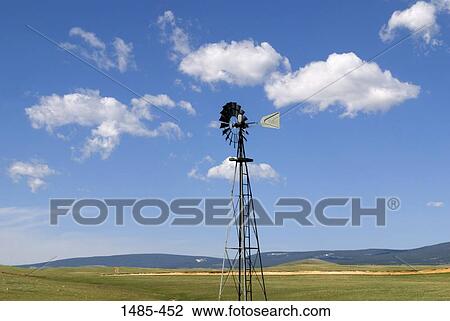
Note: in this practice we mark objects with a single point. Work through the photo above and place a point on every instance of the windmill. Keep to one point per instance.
(242, 260)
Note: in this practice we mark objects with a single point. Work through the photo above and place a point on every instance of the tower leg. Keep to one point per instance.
(248, 250)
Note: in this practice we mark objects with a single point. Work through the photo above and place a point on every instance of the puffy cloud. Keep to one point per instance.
(256, 171)
(161, 100)
(241, 63)
(421, 14)
(174, 34)
(140, 104)
(89, 37)
(435, 204)
(95, 50)
(108, 118)
(367, 89)
(33, 172)
(225, 170)
(123, 53)
(187, 106)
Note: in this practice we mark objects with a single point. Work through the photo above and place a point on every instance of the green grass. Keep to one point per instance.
(95, 284)
(319, 265)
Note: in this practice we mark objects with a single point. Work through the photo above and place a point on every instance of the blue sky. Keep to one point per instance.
(381, 131)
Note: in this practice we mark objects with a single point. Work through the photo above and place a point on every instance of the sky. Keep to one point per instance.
(137, 117)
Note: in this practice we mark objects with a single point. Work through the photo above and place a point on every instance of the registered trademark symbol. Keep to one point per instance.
(393, 203)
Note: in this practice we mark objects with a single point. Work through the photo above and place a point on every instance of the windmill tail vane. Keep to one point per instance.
(242, 263)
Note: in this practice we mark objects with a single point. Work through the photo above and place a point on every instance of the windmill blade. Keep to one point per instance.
(232, 119)
(271, 121)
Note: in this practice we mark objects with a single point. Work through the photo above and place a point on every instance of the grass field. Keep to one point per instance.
(98, 283)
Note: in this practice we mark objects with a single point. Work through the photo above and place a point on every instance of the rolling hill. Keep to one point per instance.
(428, 255)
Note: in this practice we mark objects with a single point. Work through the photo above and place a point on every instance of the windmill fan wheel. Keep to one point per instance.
(232, 120)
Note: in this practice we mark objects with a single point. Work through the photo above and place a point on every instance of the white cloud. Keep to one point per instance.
(141, 105)
(187, 106)
(367, 89)
(123, 53)
(225, 170)
(89, 37)
(214, 124)
(195, 171)
(34, 172)
(256, 171)
(174, 34)
(96, 50)
(442, 5)
(435, 204)
(421, 14)
(108, 118)
(241, 63)
(196, 88)
(161, 100)
(193, 87)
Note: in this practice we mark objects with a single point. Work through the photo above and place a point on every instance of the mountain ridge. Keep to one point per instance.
(437, 254)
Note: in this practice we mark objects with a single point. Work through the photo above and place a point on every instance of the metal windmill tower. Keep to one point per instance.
(242, 259)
